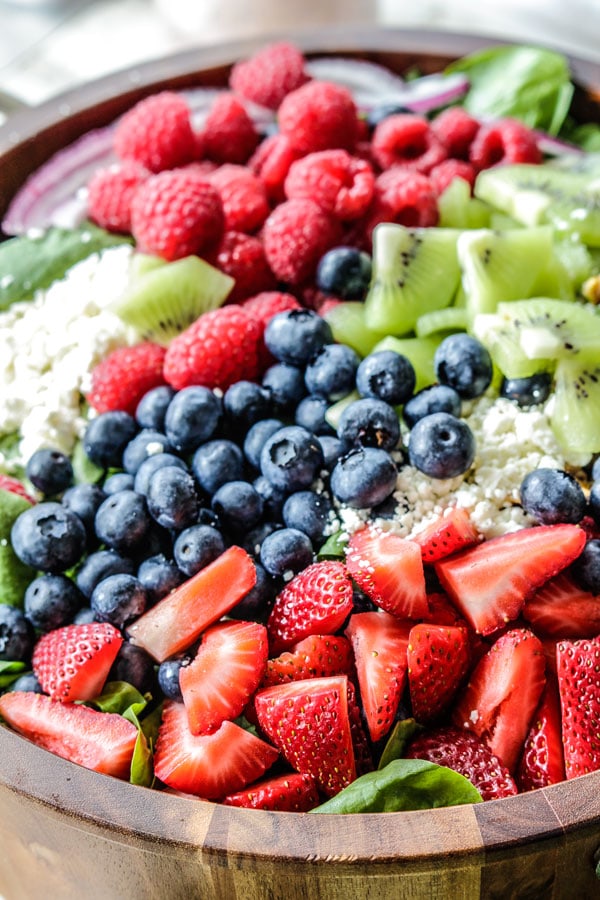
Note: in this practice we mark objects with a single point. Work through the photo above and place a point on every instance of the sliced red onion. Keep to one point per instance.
(366, 80)
(553, 146)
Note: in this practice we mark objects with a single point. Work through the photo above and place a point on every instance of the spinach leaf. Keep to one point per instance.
(401, 735)
(334, 547)
(9, 672)
(117, 697)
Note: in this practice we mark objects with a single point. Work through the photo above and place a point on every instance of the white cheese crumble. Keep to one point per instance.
(49, 346)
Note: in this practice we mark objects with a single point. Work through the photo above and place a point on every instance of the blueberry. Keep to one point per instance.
(150, 411)
(85, 616)
(207, 517)
(245, 403)
(369, 423)
(344, 272)
(27, 682)
(133, 665)
(463, 363)
(595, 474)
(100, 565)
(106, 437)
(122, 522)
(146, 443)
(331, 372)
(286, 550)
(286, 386)
(378, 113)
(85, 500)
(594, 501)
(192, 417)
(295, 335)
(332, 449)
(119, 599)
(168, 677)
(172, 498)
(273, 498)
(252, 541)
(364, 477)
(16, 635)
(51, 601)
(256, 604)
(196, 547)
(50, 471)
(217, 462)
(308, 512)
(151, 465)
(291, 458)
(120, 481)
(435, 398)
(48, 537)
(552, 496)
(159, 575)
(256, 437)
(238, 505)
(527, 391)
(586, 568)
(441, 446)
(311, 414)
(386, 375)
(362, 603)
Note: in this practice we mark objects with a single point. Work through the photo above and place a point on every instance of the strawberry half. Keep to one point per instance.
(438, 659)
(578, 667)
(468, 755)
(72, 663)
(208, 765)
(379, 641)
(317, 656)
(561, 609)
(451, 532)
(389, 569)
(489, 583)
(309, 722)
(316, 601)
(224, 674)
(503, 693)
(542, 762)
(284, 793)
(100, 741)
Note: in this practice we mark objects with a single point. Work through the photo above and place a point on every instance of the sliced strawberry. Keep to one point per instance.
(489, 583)
(503, 693)
(316, 601)
(438, 659)
(363, 757)
(453, 531)
(317, 656)
(442, 611)
(389, 569)
(379, 641)
(72, 663)
(561, 609)
(224, 674)
(100, 741)
(308, 721)
(179, 619)
(578, 666)
(542, 762)
(465, 753)
(208, 765)
(14, 486)
(283, 793)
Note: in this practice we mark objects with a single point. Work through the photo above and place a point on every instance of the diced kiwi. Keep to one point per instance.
(415, 270)
(142, 263)
(453, 318)
(168, 298)
(502, 265)
(575, 416)
(334, 412)
(347, 322)
(419, 351)
(458, 209)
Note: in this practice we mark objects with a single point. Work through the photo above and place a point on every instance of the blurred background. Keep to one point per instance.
(47, 46)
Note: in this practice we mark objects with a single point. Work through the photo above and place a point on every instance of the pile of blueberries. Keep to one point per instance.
(260, 466)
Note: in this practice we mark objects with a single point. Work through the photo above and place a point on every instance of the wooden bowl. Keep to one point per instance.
(66, 832)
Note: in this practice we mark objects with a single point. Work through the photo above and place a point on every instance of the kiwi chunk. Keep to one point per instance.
(575, 417)
(165, 299)
(347, 322)
(453, 318)
(458, 209)
(415, 270)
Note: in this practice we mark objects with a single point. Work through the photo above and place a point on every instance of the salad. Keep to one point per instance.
(300, 438)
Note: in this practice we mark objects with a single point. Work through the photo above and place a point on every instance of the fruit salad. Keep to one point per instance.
(300, 438)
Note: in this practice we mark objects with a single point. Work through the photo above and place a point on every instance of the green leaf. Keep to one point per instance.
(9, 672)
(334, 547)
(84, 470)
(15, 576)
(118, 697)
(142, 768)
(401, 735)
(28, 263)
(404, 784)
(527, 83)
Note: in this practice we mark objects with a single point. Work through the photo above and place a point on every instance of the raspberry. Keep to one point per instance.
(125, 375)
(243, 196)
(157, 133)
(295, 237)
(443, 174)
(403, 196)
(229, 134)
(242, 256)
(504, 141)
(341, 184)
(271, 162)
(266, 304)
(176, 214)
(456, 129)
(406, 139)
(269, 75)
(14, 486)
(319, 116)
(110, 192)
(220, 348)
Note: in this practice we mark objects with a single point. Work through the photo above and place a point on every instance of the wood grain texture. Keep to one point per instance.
(68, 833)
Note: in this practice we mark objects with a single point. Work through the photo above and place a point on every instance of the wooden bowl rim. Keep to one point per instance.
(130, 813)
